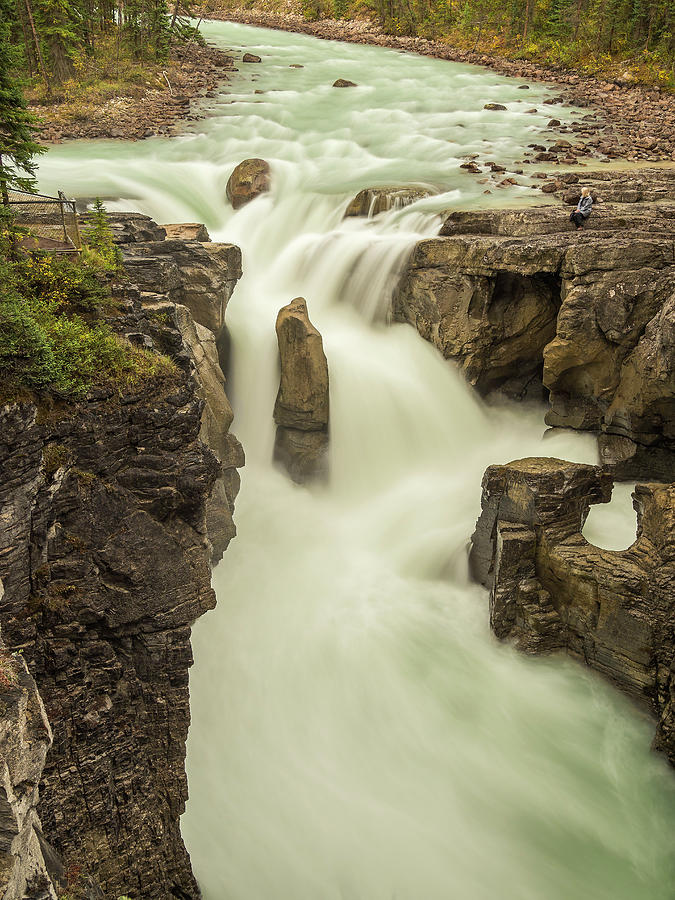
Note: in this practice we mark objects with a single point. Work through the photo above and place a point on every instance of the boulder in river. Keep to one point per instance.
(248, 180)
(494, 106)
(251, 58)
(371, 201)
(343, 83)
(301, 408)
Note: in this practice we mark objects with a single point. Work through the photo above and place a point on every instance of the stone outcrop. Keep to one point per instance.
(302, 404)
(187, 231)
(105, 557)
(248, 180)
(525, 304)
(552, 590)
(25, 737)
(198, 275)
(129, 228)
(371, 201)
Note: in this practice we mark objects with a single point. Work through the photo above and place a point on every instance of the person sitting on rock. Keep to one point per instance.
(583, 210)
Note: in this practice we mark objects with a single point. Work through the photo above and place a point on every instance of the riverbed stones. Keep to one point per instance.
(302, 405)
(249, 180)
(552, 590)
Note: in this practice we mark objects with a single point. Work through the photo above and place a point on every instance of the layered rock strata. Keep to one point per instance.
(526, 305)
(192, 282)
(552, 590)
(302, 405)
(105, 557)
(25, 737)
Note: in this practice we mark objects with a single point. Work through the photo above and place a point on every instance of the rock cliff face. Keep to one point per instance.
(104, 554)
(527, 305)
(25, 737)
(191, 281)
(301, 408)
(552, 590)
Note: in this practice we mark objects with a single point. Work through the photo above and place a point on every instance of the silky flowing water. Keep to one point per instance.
(357, 732)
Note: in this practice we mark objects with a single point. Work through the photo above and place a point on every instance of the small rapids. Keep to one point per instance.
(357, 733)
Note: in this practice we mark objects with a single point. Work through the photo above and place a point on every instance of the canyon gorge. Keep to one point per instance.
(383, 329)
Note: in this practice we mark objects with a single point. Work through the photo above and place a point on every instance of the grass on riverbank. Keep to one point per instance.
(110, 77)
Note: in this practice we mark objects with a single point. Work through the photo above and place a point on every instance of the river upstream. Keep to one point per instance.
(357, 733)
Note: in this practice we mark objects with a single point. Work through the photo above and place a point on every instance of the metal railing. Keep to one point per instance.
(50, 221)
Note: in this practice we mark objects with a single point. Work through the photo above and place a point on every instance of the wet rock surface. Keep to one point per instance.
(527, 305)
(302, 407)
(552, 590)
(105, 548)
(372, 201)
(248, 180)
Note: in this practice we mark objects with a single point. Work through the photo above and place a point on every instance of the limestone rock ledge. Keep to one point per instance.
(25, 737)
(528, 306)
(105, 558)
(552, 590)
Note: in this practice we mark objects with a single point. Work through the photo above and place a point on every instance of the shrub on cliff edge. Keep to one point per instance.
(53, 338)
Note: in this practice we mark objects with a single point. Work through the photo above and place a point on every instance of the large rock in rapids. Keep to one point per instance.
(526, 304)
(249, 179)
(552, 590)
(302, 404)
(371, 201)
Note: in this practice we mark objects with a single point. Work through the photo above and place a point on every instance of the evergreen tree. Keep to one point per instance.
(18, 146)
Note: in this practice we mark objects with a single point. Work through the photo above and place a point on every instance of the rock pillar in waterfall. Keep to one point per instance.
(301, 409)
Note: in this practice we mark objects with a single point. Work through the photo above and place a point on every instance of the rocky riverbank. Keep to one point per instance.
(112, 508)
(632, 122)
(193, 72)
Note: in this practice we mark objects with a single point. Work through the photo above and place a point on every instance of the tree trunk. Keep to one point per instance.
(38, 52)
(528, 7)
(62, 67)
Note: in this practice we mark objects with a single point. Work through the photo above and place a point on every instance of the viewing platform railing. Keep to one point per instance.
(50, 221)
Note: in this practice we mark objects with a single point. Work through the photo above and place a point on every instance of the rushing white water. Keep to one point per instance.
(357, 733)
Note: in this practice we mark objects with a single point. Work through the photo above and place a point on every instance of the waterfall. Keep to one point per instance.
(357, 733)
